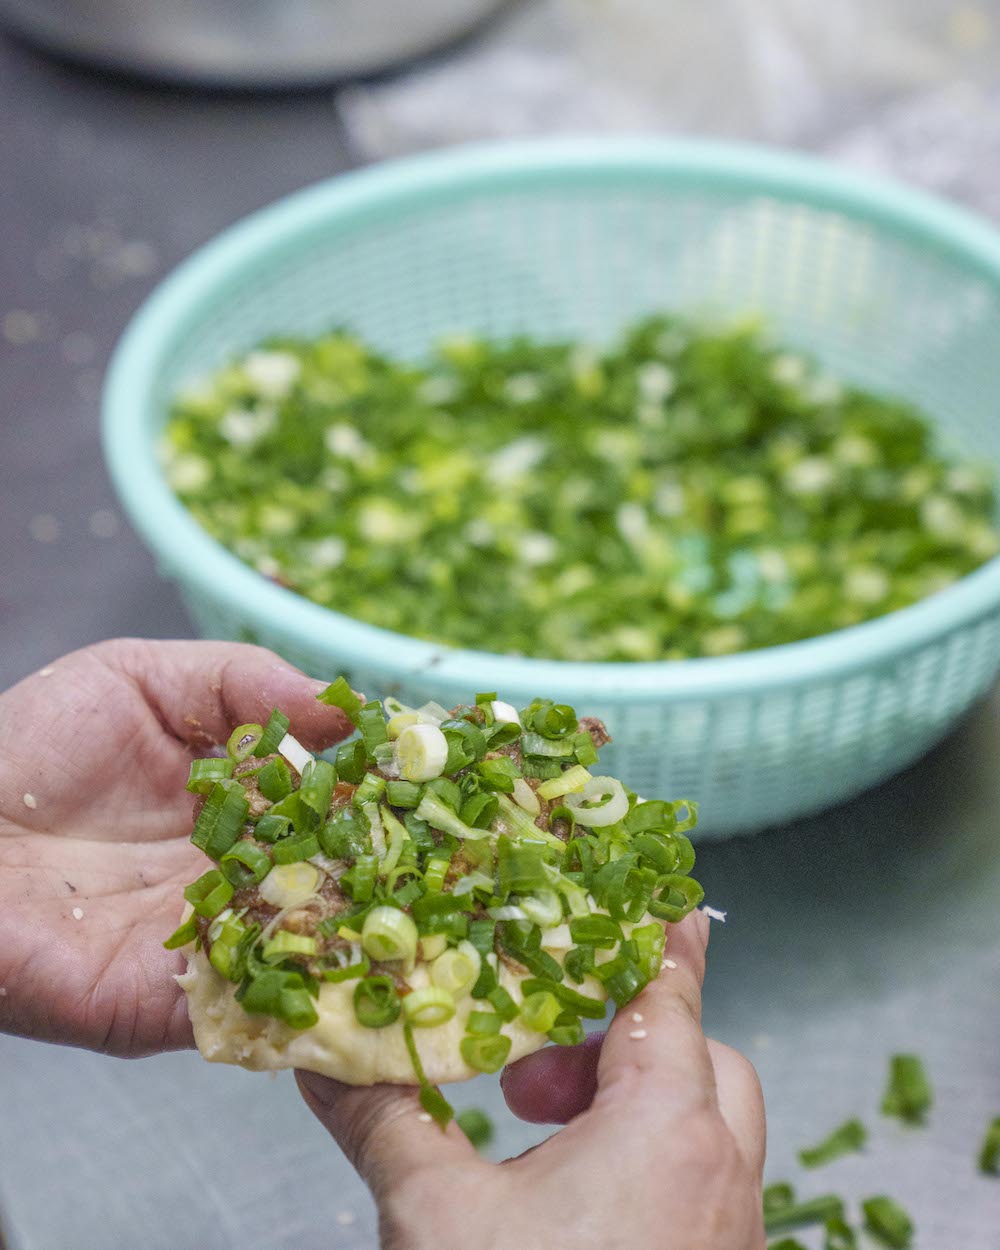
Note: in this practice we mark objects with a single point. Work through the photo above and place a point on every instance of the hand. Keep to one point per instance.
(94, 825)
(664, 1149)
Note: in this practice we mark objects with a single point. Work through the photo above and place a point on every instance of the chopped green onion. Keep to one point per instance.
(908, 1094)
(284, 943)
(351, 761)
(586, 752)
(989, 1154)
(777, 1196)
(798, 1214)
(428, 1007)
(221, 819)
(275, 780)
(476, 1125)
(439, 816)
(567, 1030)
(274, 731)
(371, 722)
(552, 720)
(543, 908)
(546, 748)
(579, 962)
(359, 881)
(516, 823)
(888, 1222)
(480, 811)
(209, 894)
(596, 930)
(205, 773)
(569, 782)
(520, 867)
(245, 864)
(224, 955)
(339, 694)
(403, 793)
(397, 838)
(850, 1136)
(389, 934)
(349, 971)
(498, 774)
(503, 1004)
(277, 992)
(421, 752)
(484, 1053)
(786, 1243)
(293, 850)
(242, 742)
(457, 969)
(838, 1235)
(678, 896)
(431, 1099)
(270, 828)
(484, 1023)
(540, 1010)
(435, 872)
(580, 1004)
(316, 788)
(376, 1003)
(181, 936)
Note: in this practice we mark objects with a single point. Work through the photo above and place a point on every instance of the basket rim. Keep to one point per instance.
(189, 553)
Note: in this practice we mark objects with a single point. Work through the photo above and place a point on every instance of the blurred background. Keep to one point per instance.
(130, 133)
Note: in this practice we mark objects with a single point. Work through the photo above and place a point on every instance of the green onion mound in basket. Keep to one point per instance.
(684, 493)
(465, 862)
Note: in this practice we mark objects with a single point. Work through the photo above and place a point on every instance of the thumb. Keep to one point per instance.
(383, 1130)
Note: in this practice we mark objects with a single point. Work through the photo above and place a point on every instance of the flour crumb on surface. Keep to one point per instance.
(77, 913)
(638, 1034)
(47, 671)
(30, 801)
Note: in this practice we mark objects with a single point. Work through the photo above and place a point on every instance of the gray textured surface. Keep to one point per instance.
(870, 930)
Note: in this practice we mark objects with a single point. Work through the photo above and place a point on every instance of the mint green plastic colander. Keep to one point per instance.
(889, 288)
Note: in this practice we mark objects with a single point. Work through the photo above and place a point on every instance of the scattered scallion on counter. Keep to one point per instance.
(476, 1125)
(687, 490)
(908, 1094)
(781, 1210)
(850, 1136)
(886, 1220)
(989, 1154)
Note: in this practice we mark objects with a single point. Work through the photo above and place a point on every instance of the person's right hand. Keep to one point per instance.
(664, 1150)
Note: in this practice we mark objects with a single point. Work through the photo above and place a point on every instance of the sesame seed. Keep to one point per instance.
(345, 1217)
(637, 1017)
(77, 913)
(424, 1118)
(46, 672)
(30, 801)
(669, 963)
(637, 1035)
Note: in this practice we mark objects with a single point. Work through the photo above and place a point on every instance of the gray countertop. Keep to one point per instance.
(870, 930)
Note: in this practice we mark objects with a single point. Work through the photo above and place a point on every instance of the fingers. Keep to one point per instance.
(655, 1048)
(741, 1102)
(202, 690)
(382, 1131)
(553, 1085)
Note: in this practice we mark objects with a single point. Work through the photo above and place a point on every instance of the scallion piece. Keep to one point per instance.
(242, 741)
(403, 793)
(389, 934)
(221, 819)
(503, 1004)
(359, 880)
(435, 872)
(908, 1094)
(274, 731)
(282, 943)
(351, 761)
(370, 790)
(476, 1125)
(428, 1007)
(567, 1030)
(540, 1010)
(483, 1023)
(224, 955)
(181, 936)
(580, 1004)
(280, 993)
(849, 1137)
(439, 816)
(989, 1154)
(376, 1003)
(431, 1099)
(678, 895)
(887, 1222)
(786, 1243)
(245, 864)
(596, 930)
(350, 971)
(209, 894)
(498, 774)
(799, 1214)
(205, 773)
(270, 827)
(457, 969)
(838, 1235)
(569, 782)
(275, 780)
(339, 694)
(316, 787)
(293, 850)
(485, 1053)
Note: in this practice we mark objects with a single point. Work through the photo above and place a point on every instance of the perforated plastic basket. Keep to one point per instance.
(889, 288)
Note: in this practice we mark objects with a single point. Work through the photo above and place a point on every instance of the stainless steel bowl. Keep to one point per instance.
(245, 43)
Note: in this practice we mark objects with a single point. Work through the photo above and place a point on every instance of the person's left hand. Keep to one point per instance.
(94, 825)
